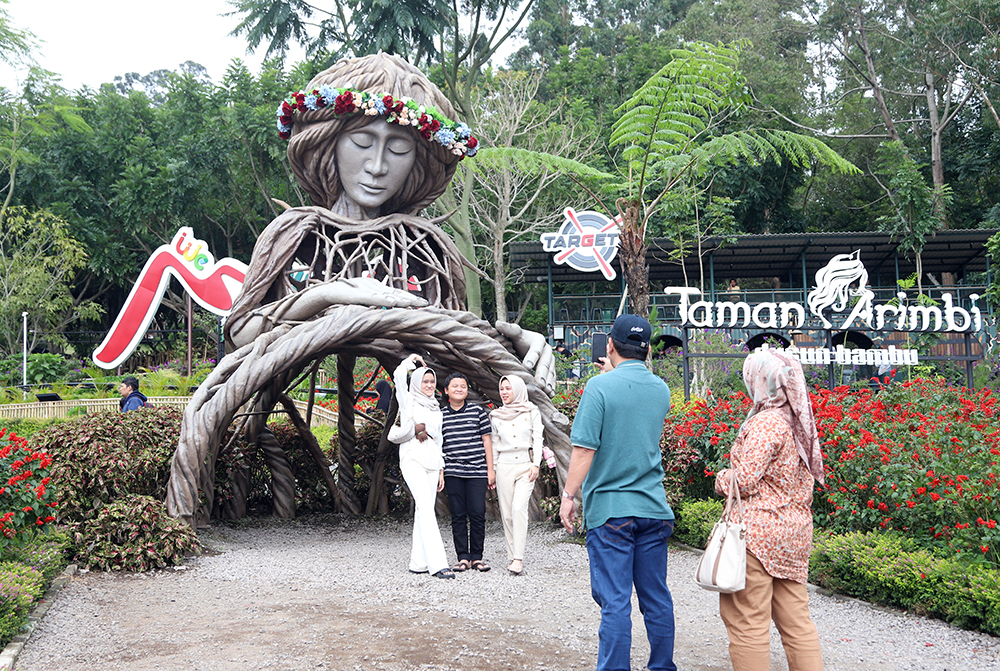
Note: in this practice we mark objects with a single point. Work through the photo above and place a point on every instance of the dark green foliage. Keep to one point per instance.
(134, 533)
(695, 520)
(100, 458)
(889, 568)
(41, 368)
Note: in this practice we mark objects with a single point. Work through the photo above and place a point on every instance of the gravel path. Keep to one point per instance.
(332, 593)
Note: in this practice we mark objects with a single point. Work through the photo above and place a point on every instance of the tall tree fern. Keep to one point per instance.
(671, 135)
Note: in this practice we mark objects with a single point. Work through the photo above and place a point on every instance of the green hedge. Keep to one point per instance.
(695, 520)
(890, 569)
(20, 587)
(26, 428)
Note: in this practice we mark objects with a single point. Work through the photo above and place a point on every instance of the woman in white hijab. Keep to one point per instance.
(775, 459)
(418, 435)
(517, 453)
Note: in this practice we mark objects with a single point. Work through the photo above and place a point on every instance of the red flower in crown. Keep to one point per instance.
(471, 143)
(388, 102)
(344, 103)
(320, 100)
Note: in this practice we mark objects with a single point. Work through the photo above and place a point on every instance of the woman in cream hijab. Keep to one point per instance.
(517, 453)
(775, 459)
(421, 462)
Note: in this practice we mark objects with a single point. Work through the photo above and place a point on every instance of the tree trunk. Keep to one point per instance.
(632, 250)
(873, 82)
(461, 224)
(499, 279)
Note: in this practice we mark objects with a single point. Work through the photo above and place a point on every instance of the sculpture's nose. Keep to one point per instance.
(377, 165)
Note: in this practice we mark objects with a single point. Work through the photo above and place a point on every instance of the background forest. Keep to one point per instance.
(93, 180)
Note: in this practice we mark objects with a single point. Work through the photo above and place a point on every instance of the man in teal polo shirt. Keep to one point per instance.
(616, 458)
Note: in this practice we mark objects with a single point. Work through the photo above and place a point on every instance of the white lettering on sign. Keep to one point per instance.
(823, 356)
(835, 292)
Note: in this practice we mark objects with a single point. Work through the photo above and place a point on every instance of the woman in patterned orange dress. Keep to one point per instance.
(776, 457)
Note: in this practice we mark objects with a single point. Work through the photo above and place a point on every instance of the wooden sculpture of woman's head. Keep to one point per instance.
(370, 162)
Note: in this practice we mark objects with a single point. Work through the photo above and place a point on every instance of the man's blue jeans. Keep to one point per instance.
(626, 551)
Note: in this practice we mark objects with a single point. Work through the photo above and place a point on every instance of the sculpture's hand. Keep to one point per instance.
(535, 354)
(368, 291)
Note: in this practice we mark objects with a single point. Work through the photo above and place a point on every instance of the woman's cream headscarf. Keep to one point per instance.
(417, 395)
(518, 403)
(776, 382)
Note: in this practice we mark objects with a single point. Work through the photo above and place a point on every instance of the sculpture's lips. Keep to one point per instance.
(372, 188)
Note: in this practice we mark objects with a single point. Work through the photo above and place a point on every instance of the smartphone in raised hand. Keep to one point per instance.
(598, 347)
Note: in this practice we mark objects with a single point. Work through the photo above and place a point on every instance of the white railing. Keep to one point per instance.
(62, 409)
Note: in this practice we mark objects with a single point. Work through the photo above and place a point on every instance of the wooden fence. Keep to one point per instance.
(62, 409)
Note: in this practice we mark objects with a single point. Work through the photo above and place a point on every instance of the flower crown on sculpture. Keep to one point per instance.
(431, 124)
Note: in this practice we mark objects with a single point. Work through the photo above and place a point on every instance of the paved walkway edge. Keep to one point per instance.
(9, 655)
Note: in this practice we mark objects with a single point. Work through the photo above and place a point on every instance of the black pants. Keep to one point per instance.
(467, 501)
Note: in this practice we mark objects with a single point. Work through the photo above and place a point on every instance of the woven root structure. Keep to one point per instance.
(261, 371)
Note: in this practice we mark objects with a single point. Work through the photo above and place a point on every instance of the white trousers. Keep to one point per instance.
(427, 553)
(514, 492)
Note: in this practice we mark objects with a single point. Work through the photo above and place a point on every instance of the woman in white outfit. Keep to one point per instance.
(517, 453)
(421, 462)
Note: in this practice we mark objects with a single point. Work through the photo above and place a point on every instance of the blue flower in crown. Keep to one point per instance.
(445, 136)
(462, 131)
(311, 102)
(283, 128)
(378, 105)
(471, 151)
(328, 92)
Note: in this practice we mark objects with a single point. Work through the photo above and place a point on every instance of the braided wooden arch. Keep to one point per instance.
(449, 340)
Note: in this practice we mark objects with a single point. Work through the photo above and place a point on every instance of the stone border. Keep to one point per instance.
(10, 654)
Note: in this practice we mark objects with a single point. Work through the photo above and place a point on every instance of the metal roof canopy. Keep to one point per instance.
(954, 251)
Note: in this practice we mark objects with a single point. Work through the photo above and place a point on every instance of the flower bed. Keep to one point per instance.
(920, 458)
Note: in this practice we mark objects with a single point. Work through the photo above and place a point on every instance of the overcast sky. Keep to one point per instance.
(89, 42)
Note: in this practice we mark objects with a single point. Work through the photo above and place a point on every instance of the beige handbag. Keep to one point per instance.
(723, 567)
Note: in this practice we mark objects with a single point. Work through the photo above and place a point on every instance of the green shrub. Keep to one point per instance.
(695, 520)
(20, 587)
(100, 458)
(26, 428)
(891, 569)
(44, 553)
(42, 368)
(134, 533)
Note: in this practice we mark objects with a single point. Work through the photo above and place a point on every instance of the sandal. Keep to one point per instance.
(445, 573)
(480, 565)
(463, 565)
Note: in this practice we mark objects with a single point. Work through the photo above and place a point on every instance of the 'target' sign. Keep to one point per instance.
(587, 241)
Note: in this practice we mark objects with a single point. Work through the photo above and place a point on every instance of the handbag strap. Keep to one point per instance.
(734, 496)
